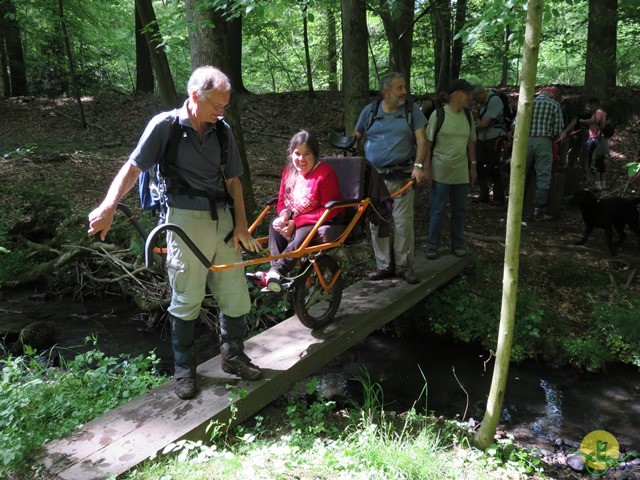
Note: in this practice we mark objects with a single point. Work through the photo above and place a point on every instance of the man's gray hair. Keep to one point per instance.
(207, 78)
(385, 81)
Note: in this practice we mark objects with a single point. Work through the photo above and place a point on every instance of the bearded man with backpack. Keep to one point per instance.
(492, 127)
(395, 145)
(205, 217)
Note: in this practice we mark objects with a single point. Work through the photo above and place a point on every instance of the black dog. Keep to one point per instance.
(607, 213)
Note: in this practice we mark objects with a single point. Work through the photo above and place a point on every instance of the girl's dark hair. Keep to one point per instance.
(301, 138)
(305, 138)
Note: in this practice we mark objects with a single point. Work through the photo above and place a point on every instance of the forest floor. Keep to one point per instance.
(43, 148)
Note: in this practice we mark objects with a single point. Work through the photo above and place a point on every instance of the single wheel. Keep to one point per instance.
(314, 306)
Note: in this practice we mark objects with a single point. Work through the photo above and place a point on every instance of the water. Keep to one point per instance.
(541, 404)
(114, 322)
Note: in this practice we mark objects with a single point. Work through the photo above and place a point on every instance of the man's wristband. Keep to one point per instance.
(418, 165)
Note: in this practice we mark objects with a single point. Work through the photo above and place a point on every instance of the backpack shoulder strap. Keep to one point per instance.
(372, 114)
(467, 112)
(439, 119)
(222, 132)
(408, 108)
(171, 151)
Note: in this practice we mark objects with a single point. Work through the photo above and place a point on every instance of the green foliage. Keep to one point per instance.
(524, 460)
(633, 168)
(470, 312)
(613, 335)
(310, 421)
(37, 213)
(14, 264)
(273, 54)
(387, 448)
(39, 404)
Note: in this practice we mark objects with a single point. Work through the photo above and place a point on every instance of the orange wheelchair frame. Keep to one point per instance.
(317, 290)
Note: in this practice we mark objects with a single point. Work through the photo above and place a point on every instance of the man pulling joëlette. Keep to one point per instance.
(206, 220)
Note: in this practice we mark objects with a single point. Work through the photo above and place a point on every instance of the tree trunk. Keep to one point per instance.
(144, 70)
(332, 48)
(234, 33)
(484, 436)
(305, 39)
(158, 57)
(398, 27)
(504, 78)
(355, 65)
(4, 67)
(72, 71)
(602, 37)
(14, 52)
(456, 55)
(442, 31)
(208, 46)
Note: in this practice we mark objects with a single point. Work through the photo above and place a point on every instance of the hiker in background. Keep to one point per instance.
(206, 219)
(491, 130)
(307, 185)
(546, 126)
(597, 145)
(395, 145)
(450, 165)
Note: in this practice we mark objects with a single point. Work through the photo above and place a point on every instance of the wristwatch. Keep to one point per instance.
(418, 165)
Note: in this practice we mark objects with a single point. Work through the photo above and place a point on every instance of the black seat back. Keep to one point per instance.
(351, 178)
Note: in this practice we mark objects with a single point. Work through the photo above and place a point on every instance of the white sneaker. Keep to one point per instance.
(274, 282)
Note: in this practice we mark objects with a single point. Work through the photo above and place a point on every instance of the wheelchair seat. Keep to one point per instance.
(351, 179)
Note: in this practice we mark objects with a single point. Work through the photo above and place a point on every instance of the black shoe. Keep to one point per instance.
(381, 274)
(409, 276)
(185, 388)
(242, 367)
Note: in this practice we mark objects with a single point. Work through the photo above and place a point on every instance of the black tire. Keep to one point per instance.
(313, 306)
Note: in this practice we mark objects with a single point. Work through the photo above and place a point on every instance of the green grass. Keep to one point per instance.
(39, 404)
(359, 443)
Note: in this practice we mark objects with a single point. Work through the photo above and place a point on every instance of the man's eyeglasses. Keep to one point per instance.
(215, 107)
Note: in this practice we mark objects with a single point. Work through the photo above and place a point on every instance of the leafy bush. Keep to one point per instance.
(39, 404)
(469, 311)
(613, 335)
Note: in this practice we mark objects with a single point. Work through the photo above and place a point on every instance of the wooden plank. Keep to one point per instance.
(287, 353)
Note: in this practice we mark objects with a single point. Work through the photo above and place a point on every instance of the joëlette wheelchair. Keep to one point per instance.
(317, 282)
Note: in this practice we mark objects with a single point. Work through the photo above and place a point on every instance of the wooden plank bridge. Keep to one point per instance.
(287, 353)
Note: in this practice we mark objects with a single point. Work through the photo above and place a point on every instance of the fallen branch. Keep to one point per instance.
(630, 279)
(79, 121)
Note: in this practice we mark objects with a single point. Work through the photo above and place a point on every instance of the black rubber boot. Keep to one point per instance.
(234, 360)
(184, 357)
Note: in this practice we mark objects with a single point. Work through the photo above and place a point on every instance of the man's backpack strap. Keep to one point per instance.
(174, 181)
(408, 108)
(372, 113)
(440, 120)
(375, 106)
(223, 130)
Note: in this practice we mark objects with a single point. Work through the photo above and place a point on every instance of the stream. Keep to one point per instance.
(541, 404)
